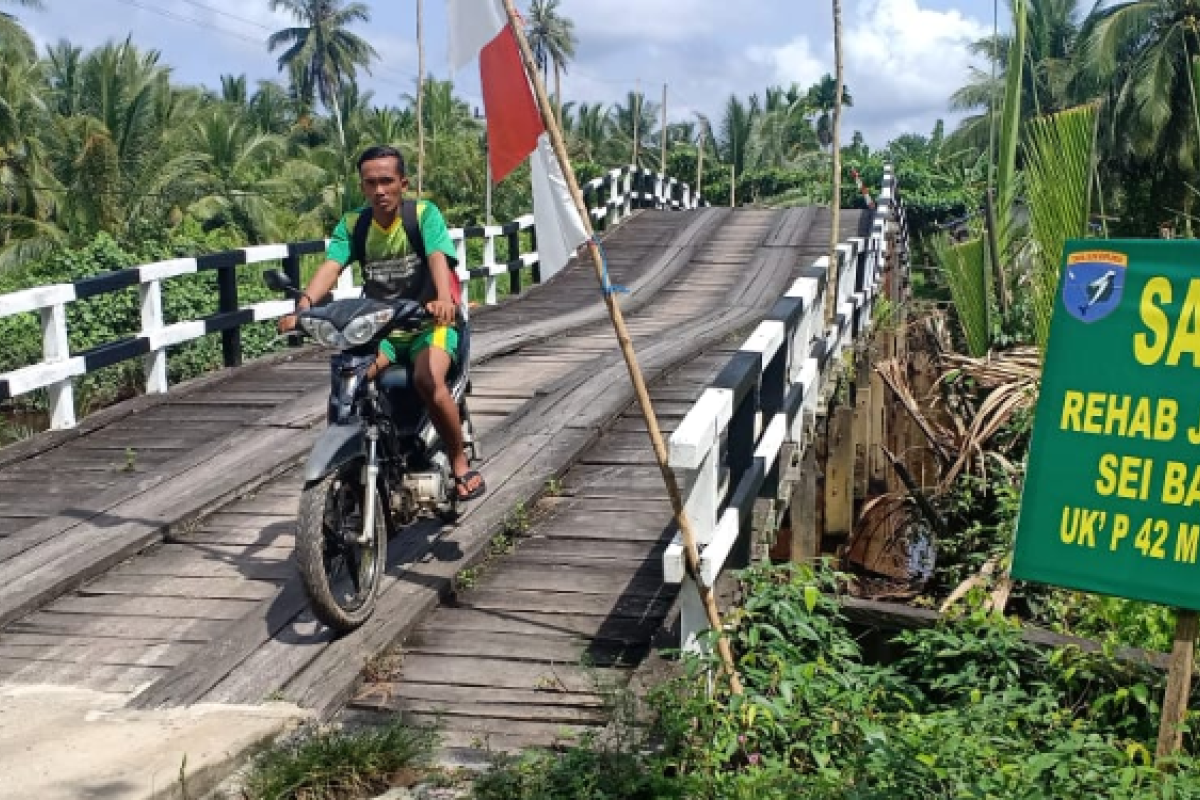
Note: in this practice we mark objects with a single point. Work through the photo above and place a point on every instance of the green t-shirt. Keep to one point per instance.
(391, 269)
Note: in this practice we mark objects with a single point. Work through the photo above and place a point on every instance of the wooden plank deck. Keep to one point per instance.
(215, 614)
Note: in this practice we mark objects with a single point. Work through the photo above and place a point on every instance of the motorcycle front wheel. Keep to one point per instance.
(340, 573)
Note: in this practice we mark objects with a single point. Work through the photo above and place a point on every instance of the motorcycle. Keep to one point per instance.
(379, 465)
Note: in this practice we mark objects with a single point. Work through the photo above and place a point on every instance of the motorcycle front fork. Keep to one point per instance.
(370, 482)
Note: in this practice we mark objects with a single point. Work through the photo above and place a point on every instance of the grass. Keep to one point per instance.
(338, 765)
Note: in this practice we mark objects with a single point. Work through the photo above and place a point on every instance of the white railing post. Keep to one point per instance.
(489, 263)
(155, 361)
(693, 618)
(627, 192)
(55, 348)
(613, 210)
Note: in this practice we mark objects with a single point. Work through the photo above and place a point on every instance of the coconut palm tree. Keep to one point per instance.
(630, 124)
(552, 39)
(1051, 79)
(115, 156)
(234, 89)
(25, 202)
(1146, 50)
(321, 52)
(238, 186)
(822, 96)
(586, 128)
(11, 30)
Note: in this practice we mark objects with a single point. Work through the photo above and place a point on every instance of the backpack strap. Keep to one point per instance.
(358, 239)
(412, 229)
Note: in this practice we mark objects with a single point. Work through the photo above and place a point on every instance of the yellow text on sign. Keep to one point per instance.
(1153, 538)
(1162, 341)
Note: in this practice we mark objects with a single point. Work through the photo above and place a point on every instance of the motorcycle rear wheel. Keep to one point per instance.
(340, 575)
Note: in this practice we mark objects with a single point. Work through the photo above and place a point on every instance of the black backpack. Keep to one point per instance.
(412, 230)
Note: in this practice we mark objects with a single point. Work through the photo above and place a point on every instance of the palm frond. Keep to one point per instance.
(1058, 158)
(966, 269)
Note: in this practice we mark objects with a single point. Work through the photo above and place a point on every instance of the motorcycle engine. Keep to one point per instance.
(428, 488)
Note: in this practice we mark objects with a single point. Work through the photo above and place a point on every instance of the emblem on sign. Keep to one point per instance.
(1094, 282)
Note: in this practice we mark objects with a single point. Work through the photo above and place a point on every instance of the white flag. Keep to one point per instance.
(559, 229)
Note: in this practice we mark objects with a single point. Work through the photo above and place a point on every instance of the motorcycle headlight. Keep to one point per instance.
(362, 329)
(323, 331)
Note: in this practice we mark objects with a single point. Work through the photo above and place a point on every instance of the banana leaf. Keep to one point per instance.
(1058, 163)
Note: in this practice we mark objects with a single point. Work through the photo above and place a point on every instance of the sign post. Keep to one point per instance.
(1112, 493)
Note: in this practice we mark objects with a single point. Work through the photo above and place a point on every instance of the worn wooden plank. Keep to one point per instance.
(610, 526)
(276, 536)
(501, 673)
(388, 696)
(266, 670)
(136, 606)
(477, 739)
(839, 475)
(449, 713)
(599, 555)
(805, 544)
(80, 650)
(592, 626)
(498, 600)
(195, 678)
(644, 580)
(101, 677)
(96, 625)
(436, 640)
(180, 587)
(194, 563)
(44, 569)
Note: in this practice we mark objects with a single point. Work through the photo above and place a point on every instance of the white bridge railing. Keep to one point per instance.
(726, 451)
(610, 199)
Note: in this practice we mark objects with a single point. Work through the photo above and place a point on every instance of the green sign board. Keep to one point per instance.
(1112, 494)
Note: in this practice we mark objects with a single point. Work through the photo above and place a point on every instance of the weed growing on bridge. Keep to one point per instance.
(336, 765)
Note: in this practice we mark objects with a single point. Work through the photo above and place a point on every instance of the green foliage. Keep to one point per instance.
(965, 266)
(1058, 155)
(113, 316)
(967, 710)
(963, 709)
(981, 517)
(585, 772)
(331, 765)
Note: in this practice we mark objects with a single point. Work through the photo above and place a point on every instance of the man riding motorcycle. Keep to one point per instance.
(378, 237)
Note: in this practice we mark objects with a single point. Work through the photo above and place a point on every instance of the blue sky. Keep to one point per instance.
(903, 57)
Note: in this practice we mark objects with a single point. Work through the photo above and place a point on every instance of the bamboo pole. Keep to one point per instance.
(635, 372)
(420, 96)
(662, 160)
(835, 202)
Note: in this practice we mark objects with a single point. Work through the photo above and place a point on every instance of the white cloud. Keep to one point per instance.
(903, 61)
(651, 20)
(793, 62)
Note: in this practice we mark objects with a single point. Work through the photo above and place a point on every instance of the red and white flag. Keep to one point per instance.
(514, 124)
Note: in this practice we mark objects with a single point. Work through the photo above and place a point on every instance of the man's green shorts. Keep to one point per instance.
(403, 348)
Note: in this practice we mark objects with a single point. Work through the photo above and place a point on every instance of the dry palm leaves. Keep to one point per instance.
(1012, 376)
(1018, 365)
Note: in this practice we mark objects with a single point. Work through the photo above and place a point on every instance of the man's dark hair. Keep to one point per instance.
(382, 151)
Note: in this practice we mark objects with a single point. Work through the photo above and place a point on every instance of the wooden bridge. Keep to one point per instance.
(147, 549)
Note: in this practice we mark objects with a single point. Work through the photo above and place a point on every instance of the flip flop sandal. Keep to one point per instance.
(463, 480)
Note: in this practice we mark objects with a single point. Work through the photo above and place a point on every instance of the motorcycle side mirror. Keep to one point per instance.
(278, 281)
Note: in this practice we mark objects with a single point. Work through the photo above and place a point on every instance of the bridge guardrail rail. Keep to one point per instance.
(726, 450)
(610, 199)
